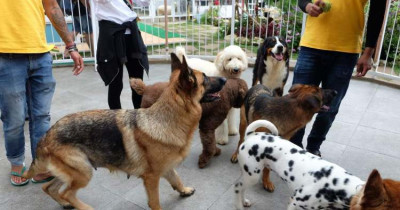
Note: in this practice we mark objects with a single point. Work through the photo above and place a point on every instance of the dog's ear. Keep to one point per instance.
(176, 64)
(311, 102)
(219, 61)
(374, 191)
(187, 80)
(295, 89)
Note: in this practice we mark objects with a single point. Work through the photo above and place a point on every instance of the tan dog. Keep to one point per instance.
(377, 194)
(214, 113)
(148, 143)
(288, 113)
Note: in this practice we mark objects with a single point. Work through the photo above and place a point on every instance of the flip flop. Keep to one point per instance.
(43, 180)
(14, 173)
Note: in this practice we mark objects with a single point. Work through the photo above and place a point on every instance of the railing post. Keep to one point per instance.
(95, 28)
(166, 25)
(233, 23)
(379, 44)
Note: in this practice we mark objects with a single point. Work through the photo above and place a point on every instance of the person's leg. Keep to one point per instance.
(115, 89)
(13, 76)
(39, 92)
(307, 71)
(339, 70)
(135, 70)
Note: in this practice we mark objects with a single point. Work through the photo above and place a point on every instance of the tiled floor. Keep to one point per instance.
(365, 135)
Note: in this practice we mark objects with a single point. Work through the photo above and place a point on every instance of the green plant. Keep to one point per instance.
(392, 35)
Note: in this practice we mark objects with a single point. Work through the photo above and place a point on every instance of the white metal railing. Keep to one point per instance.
(205, 27)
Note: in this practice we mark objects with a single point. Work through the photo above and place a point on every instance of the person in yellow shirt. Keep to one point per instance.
(330, 48)
(26, 77)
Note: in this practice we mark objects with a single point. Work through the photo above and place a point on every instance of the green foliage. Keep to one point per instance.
(390, 41)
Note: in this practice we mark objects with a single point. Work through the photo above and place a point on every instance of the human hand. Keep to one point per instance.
(78, 62)
(364, 63)
(315, 9)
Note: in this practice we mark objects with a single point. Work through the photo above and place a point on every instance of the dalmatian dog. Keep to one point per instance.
(315, 183)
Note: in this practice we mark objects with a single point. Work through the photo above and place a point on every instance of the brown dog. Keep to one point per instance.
(288, 113)
(148, 143)
(377, 194)
(214, 113)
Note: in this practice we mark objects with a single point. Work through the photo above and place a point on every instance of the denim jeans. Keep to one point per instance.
(332, 70)
(26, 81)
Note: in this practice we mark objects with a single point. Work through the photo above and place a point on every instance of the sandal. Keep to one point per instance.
(43, 180)
(14, 173)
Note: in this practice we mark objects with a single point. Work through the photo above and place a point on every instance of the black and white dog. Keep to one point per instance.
(272, 64)
(315, 183)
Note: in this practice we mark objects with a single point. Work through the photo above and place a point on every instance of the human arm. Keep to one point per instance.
(374, 25)
(56, 17)
(313, 9)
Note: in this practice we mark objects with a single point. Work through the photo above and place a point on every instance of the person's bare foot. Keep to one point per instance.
(16, 179)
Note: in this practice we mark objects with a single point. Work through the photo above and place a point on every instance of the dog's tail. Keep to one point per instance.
(180, 52)
(138, 85)
(261, 123)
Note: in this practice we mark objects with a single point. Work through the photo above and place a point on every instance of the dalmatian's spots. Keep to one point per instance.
(254, 150)
(263, 137)
(323, 173)
(305, 198)
(246, 168)
(268, 150)
(280, 149)
(257, 159)
(292, 178)
(302, 152)
(301, 190)
(291, 162)
(248, 133)
(332, 195)
(286, 173)
(236, 191)
(334, 181)
(346, 181)
(242, 148)
(271, 139)
(293, 150)
(326, 185)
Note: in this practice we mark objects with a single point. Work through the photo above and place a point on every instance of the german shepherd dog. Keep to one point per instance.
(214, 113)
(272, 64)
(288, 113)
(148, 143)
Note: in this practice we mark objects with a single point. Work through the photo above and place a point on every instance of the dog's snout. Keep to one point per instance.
(236, 69)
(222, 80)
(280, 48)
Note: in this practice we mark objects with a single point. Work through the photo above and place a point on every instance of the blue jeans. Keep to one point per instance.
(331, 69)
(25, 80)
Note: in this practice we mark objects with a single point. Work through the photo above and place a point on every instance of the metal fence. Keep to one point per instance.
(205, 27)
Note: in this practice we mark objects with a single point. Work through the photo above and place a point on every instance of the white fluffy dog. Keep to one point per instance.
(229, 63)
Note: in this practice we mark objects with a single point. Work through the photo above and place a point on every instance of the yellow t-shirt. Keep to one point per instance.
(340, 29)
(22, 27)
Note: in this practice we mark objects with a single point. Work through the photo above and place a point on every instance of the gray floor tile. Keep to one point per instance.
(375, 140)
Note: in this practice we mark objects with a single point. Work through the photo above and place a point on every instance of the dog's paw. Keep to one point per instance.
(187, 191)
(234, 158)
(68, 206)
(270, 187)
(246, 203)
(233, 132)
(203, 160)
(223, 140)
(217, 151)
